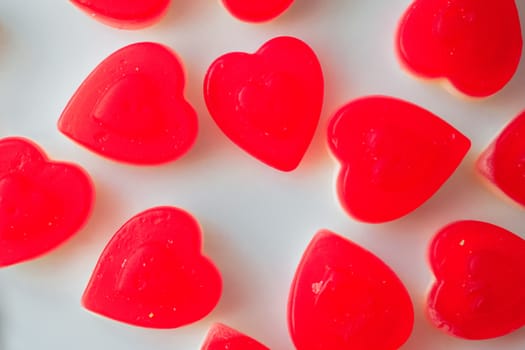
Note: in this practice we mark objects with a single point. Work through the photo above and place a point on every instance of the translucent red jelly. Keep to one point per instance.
(124, 14)
(479, 291)
(131, 108)
(221, 337)
(503, 162)
(256, 10)
(394, 156)
(42, 203)
(269, 102)
(344, 297)
(475, 44)
(152, 273)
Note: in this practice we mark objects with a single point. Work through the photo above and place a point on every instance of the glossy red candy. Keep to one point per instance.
(344, 297)
(475, 44)
(131, 108)
(479, 291)
(256, 10)
(221, 337)
(152, 273)
(503, 162)
(269, 102)
(124, 14)
(394, 156)
(42, 203)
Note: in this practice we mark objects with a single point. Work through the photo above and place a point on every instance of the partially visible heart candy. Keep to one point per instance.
(269, 102)
(344, 297)
(152, 273)
(479, 291)
(394, 156)
(124, 14)
(475, 44)
(256, 10)
(503, 162)
(221, 337)
(131, 108)
(42, 203)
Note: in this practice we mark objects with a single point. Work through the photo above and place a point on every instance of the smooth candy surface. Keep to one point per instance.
(475, 44)
(42, 203)
(479, 291)
(221, 337)
(124, 14)
(269, 102)
(152, 273)
(131, 108)
(394, 156)
(344, 297)
(503, 162)
(256, 10)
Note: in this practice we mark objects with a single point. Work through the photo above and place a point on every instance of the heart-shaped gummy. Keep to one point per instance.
(256, 10)
(269, 102)
(42, 203)
(503, 162)
(124, 14)
(152, 273)
(479, 291)
(221, 337)
(394, 156)
(344, 297)
(475, 44)
(131, 108)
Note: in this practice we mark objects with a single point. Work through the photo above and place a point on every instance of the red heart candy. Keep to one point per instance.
(503, 162)
(344, 297)
(221, 337)
(268, 103)
(131, 108)
(124, 14)
(480, 280)
(42, 203)
(394, 156)
(475, 44)
(256, 10)
(152, 273)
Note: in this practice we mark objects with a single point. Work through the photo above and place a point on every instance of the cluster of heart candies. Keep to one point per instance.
(394, 156)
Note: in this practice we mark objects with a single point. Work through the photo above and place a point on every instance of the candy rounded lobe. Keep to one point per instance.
(222, 337)
(256, 10)
(474, 44)
(152, 273)
(124, 14)
(268, 103)
(343, 296)
(503, 162)
(479, 291)
(42, 202)
(131, 108)
(394, 156)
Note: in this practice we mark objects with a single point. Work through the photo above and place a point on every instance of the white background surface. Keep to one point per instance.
(256, 220)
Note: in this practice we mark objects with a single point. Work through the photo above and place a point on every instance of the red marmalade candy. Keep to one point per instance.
(256, 10)
(152, 273)
(221, 337)
(479, 291)
(394, 156)
(131, 108)
(475, 44)
(124, 14)
(344, 297)
(268, 103)
(503, 162)
(42, 203)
